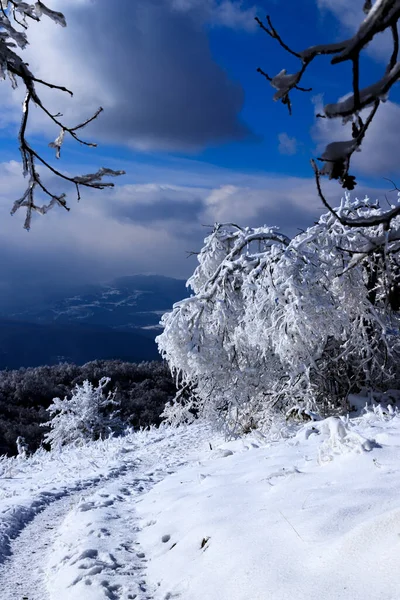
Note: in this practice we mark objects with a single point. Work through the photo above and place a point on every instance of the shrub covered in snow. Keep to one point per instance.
(87, 415)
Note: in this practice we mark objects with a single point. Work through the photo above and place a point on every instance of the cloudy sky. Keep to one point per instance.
(192, 124)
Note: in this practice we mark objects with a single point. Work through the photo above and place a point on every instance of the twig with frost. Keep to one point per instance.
(13, 14)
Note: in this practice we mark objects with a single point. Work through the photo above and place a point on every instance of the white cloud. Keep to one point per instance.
(232, 14)
(287, 145)
(284, 202)
(145, 225)
(349, 13)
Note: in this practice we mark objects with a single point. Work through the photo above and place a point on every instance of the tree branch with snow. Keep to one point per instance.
(14, 23)
(380, 16)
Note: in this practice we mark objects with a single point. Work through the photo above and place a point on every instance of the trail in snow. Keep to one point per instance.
(80, 540)
(71, 533)
(95, 552)
(22, 573)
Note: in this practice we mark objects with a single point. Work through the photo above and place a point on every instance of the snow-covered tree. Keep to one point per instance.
(359, 107)
(14, 22)
(204, 343)
(276, 323)
(87, 415)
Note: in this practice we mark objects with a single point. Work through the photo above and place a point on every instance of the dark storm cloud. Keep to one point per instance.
(175, 94)
(150, 67)
(158, 204)
(162, 210)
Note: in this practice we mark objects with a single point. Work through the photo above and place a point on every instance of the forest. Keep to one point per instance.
(141, 391)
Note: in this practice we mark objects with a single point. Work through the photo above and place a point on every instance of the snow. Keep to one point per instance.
(313, 517)
(92, 490)
(310, 512)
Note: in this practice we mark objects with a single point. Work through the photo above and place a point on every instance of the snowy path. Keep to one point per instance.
(22, 573)
(95, 552)
(78, 539)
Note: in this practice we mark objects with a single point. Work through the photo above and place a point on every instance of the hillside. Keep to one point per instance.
(135, 302)
(310, 512)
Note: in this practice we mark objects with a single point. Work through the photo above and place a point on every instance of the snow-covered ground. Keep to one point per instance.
(68, 521)
(180, 514)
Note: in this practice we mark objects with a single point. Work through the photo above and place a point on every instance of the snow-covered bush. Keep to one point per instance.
(87, 415)
(205, 343)
(276, 323)
(22, 447)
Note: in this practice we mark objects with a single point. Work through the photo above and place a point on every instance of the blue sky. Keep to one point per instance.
(192, 123)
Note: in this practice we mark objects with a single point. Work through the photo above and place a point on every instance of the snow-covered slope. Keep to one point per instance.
(181, 514)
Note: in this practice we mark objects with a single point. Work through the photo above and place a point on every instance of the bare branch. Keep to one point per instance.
(395, 53)
(271, 31)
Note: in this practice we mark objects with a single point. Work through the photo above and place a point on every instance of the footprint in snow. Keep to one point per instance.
(150, 523)
(86, 506)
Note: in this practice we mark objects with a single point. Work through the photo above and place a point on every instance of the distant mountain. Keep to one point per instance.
(31, 345)
(128, 303)
(115, 320)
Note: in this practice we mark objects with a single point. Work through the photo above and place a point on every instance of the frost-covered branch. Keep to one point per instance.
(378, 218)
(380, 16)
(14, 19)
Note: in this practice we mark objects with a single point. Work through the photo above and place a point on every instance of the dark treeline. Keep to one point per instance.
(141, 389)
